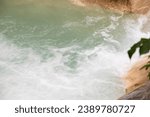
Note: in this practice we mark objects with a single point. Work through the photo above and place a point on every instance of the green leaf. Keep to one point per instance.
(147, 66)
(133, 49)
(143, 45)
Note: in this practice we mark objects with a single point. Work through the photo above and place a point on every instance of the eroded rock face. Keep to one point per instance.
(136, 6)
(123, 5)
(140, 6)
(137, 84)
(136, 76)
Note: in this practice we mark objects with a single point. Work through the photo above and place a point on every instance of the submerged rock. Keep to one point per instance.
(136, 6)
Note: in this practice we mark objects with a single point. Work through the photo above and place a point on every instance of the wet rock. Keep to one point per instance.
(142, 93)
(137, 84)
(140, 6)
(136, 6)
(136, 76)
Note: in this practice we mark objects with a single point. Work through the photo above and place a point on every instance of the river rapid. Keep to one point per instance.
(53, 49)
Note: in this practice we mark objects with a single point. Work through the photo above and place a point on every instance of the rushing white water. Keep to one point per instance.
(81, 56)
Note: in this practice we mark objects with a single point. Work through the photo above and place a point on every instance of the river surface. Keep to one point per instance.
(53, 49)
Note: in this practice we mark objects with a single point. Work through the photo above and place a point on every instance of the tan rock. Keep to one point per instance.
(136, 76)
(136, 6)
(137, 84)
(140, 6)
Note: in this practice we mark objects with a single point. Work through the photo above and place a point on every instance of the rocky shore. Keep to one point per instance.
(141, 93)
(137, 84)
(135, 6)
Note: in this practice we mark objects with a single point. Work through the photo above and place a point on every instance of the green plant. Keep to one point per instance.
(144, 47)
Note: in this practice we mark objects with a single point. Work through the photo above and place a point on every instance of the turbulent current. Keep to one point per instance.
(53, 49)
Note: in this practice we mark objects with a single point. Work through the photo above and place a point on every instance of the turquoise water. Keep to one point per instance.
(53, 49)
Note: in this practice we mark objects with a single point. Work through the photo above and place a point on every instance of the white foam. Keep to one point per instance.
(95, 75)
(33, 79)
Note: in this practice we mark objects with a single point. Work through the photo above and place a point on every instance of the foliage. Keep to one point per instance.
(144, 47)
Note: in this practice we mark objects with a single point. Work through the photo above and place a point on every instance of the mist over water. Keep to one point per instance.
(56, 50)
